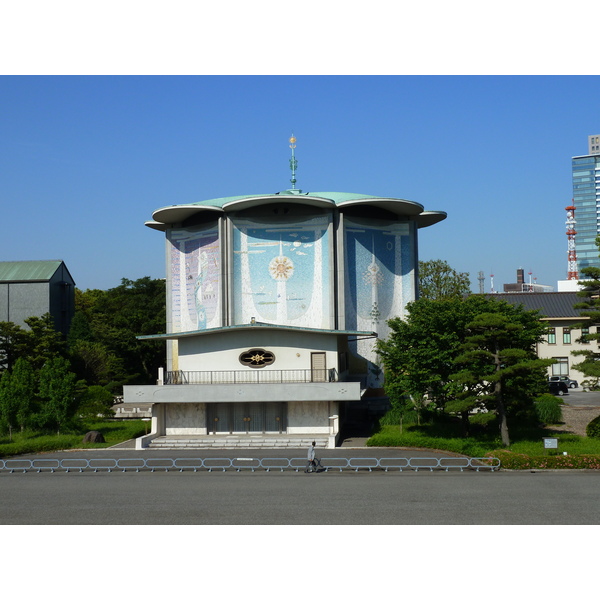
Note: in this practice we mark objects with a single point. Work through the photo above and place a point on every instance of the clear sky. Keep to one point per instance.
(85, 160)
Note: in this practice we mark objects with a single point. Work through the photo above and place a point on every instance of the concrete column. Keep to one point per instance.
(157, 429)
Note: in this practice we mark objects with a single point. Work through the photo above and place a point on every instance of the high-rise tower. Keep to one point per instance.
(586, 200)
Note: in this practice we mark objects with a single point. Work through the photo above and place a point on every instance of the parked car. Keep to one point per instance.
(558, 388)
(572, 383)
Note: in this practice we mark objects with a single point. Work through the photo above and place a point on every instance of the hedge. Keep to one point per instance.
(512, 460)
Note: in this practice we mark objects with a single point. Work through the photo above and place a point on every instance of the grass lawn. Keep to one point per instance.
(114, 432)
(525, 452)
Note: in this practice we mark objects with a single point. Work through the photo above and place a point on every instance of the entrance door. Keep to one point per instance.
(247, 417)
(318, 366)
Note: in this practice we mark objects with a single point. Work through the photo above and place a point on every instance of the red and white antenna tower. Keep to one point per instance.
(492, 291)
(571, 233)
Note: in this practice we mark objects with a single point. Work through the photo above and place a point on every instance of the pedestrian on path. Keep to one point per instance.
(313, 462)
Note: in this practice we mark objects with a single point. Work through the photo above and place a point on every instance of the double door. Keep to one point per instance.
(247, 417)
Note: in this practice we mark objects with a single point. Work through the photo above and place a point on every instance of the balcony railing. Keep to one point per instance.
(251, 376)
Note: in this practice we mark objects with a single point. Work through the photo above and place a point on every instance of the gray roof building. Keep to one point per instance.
(562, 337)
(33, 288)
(549, 304)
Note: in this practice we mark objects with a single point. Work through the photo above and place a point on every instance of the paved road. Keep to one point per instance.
(577, 397)
(262, 498)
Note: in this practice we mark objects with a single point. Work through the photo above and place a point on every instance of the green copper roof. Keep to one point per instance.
(29, 270)
(221, 202)
(177, 213)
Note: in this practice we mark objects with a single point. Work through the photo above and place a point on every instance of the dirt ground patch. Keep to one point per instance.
(576, 418)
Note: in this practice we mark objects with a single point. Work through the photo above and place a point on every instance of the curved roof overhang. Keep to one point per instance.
(428, 218)
(251, 202)
(177, 213)
(163, 217)
(401, 208)
(156, 225)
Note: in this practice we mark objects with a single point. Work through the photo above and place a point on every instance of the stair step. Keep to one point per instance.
(175, 443)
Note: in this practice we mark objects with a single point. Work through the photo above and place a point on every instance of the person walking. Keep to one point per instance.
(313, 462)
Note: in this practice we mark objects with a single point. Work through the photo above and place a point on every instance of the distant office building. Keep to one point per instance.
(522, 286)
(586, 199)
(32, 288)
(568, 285)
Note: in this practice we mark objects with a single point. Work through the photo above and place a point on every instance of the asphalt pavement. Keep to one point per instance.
(290, 498)
(577, 397)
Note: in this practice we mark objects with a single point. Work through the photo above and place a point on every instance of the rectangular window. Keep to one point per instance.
(585, 331)
(561, 367)
(551, 335)
(566, 335)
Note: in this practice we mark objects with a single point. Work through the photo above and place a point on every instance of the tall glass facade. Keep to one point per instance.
(586, 199)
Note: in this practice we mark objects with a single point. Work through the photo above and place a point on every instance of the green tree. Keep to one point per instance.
(95, 401)
(96, 365)
(80, 329)
(17, 392)
(437, 280)
(420, 355)
(498, 350)
(590, 309)
(38, 342)
(57, 391)
(12, 344)
(42, 341)
(118, 315)
(8, 406)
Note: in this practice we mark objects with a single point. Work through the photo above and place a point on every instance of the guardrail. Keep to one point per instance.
(95, 465)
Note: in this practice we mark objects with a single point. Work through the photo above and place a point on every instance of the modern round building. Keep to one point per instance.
(292, 285)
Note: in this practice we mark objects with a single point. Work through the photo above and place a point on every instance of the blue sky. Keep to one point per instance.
(84, 160)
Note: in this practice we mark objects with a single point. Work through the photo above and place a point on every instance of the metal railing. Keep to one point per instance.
(370, 464)
(251, 376)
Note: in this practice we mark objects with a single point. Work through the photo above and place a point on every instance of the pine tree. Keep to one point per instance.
(497, 350)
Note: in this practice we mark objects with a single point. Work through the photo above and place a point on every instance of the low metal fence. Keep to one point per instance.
(152, 464)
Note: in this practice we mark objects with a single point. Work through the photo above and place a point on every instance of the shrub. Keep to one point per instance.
(97, 401)
(391, 417)
(409, 415)
(517, 461)
(593, 428)
(548, 409)
(483, 418)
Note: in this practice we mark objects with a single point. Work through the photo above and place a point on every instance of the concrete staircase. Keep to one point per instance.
(182, 442)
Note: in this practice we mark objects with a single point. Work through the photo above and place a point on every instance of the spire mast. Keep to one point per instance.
(293, 161)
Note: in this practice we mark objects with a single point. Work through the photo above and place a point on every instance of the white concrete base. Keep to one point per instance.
(319, 419)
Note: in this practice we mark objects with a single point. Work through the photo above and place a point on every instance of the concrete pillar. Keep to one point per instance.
(158, 427)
